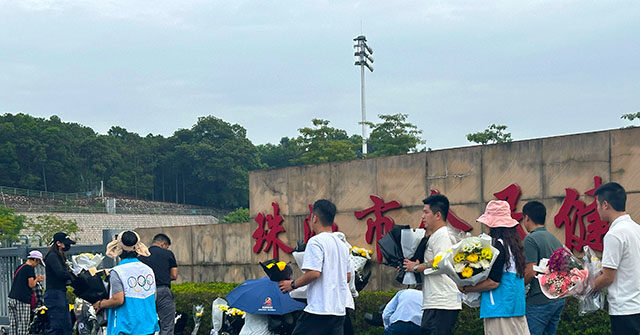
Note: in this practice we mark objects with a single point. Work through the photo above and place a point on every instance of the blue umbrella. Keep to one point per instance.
(262, 296)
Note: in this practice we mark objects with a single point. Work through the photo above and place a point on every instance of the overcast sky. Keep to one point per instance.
(542, 68)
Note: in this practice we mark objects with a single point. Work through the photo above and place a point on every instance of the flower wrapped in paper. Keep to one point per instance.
(277, 270)
(590, 300)
(562, 275)
(469, 261)
(360, 257)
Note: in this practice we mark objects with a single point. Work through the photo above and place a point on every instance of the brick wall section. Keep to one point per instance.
(93, 224)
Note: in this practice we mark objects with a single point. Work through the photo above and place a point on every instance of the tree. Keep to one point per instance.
(493, 134)
(323, 144)
(238, 216)
(393, 136)
(10, 224)
(287, 153)
(45, 226)
(631, 116)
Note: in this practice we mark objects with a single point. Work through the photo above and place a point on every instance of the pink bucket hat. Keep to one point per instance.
(497, 214)
(35, 254)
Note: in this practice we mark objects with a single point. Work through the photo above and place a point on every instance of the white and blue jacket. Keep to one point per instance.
(138, 313)
(508, 299)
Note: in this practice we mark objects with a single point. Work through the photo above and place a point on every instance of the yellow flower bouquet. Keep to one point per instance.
(360, 257)
(470, 260)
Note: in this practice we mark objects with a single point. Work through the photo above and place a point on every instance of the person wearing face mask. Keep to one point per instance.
(58, 276)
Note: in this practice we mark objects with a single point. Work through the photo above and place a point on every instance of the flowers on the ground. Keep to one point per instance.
(230, 310)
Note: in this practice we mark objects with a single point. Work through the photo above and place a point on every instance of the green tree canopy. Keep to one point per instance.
(631, 116)
(393, 136)
(322, 144)
(45, 226)
(493, 134)
(10, 224)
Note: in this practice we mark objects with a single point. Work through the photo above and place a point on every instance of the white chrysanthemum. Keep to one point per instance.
(485, 264)
(475, 265)
(459, 267)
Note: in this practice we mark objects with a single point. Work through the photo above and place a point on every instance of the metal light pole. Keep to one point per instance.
(363, 59)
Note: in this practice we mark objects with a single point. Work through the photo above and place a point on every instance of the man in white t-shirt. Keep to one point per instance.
(620, 261)
(326, 271)
(441, 301)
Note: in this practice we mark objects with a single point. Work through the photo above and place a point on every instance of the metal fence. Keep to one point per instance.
(118, 210)
(11, 258)
(44, 194)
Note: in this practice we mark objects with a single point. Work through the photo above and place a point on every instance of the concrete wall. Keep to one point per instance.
(468, 176)
(91, 225)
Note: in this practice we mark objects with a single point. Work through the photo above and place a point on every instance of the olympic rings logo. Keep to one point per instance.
(140, 283)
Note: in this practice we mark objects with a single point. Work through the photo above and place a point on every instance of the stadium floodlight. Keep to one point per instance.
(363, 59)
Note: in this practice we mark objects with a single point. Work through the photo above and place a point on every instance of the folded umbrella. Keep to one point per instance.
(262, 296)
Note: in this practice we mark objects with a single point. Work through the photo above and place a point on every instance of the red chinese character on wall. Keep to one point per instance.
(453, 219)
(574, 212)
(308, 232)
(269, 236)
(381, 225)
(511, 194)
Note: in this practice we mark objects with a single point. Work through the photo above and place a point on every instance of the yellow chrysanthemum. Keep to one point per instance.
(198, 314)
(486, 253)
(459, 257)
(436, 261)
(472, 258)
(281, 265)
(467, 272)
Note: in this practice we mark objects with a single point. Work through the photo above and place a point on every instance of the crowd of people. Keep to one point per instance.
(140, 300)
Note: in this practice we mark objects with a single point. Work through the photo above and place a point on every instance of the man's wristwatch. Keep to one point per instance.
(415, 267)
(293, 284)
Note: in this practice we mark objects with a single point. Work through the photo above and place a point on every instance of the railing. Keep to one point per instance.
(43, 194)
(119, 210)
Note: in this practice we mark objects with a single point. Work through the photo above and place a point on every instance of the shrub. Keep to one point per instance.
(239, 215)
(189, 294)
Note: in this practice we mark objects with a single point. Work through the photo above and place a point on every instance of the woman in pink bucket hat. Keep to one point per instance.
(502, 307)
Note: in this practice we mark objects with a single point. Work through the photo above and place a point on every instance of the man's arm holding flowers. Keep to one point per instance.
(484, 285)
(604, 279)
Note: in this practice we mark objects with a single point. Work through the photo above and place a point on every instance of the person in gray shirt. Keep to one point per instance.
(543, 314)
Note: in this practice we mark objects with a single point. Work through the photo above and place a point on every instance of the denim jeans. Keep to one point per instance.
(543, 319)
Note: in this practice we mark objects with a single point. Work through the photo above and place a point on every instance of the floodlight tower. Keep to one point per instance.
(363, 59)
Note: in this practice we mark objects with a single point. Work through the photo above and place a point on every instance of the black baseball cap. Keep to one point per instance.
(62, 237)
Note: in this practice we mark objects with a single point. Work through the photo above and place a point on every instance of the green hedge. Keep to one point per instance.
(189, 294)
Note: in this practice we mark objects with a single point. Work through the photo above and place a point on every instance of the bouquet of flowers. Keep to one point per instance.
(469, 261)
(360, 257)
(562, 275)
(590, 300)
(198, 310)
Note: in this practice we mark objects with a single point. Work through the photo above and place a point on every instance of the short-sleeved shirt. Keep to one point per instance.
(115, 282)
(621, 250)
(438, 290)
(327, 295)
(539, 244)
(20, 289)
(160, 261)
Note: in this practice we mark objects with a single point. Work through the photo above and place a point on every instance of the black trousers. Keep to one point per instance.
(625, 324)
(438, 321)
(319, 324)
